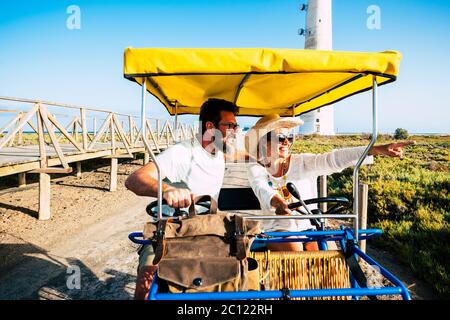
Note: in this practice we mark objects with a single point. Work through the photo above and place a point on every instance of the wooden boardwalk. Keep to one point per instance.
(33, 140)
(21, 159)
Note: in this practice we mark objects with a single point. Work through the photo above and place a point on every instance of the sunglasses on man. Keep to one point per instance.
(230, 125)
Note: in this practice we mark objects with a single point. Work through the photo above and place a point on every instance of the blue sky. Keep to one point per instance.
(41, 58)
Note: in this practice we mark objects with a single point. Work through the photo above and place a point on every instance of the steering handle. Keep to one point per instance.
(341, 203)
(178, 212)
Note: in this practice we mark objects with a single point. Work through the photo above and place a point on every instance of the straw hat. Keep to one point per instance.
(264, 125)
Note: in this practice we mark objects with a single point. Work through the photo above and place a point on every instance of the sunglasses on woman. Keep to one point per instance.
(282, 137)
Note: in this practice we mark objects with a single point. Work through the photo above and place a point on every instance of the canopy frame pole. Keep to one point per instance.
(176, 121)
(240, 86)
(149, 148)
(364, 155)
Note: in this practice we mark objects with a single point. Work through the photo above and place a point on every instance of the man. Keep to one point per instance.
(199, 163)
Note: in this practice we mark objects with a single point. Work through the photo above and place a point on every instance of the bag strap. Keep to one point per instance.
(159, 241)
(212, 208)
(242, 241)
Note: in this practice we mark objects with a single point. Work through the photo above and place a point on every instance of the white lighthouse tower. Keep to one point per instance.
(318, 36)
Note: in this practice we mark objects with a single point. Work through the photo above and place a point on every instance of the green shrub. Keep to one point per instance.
(408, 198)
(401, 134)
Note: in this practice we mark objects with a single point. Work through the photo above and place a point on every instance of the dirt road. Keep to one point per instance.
(88, 233)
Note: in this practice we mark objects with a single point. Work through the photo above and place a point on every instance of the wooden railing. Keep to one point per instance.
(119, 130)
(75, 134)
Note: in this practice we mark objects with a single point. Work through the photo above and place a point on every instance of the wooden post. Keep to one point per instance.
(130, 129)
(44, 178)
(52, 125)
(20, 141)
(167, 133)
(323, 191)
(157, 131)
(43, 114)
(83, 128)
(102, 130)
(75, 130)
(112, 131)
(78, 169)
(22, 179)
(95, 126)
(146, 157)
(363, 190)
(44, 196)
(113, 175)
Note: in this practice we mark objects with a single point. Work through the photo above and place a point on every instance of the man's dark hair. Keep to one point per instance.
(211, 108)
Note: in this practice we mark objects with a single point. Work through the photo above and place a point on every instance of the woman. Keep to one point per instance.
(269, 142)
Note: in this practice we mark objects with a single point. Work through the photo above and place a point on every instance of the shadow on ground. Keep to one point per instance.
(39, 275)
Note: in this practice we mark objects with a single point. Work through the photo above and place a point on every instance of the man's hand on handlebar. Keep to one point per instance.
(177, 197)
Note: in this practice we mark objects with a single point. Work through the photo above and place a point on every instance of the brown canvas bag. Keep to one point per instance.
(205, 253)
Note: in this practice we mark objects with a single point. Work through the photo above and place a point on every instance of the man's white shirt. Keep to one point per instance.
(188, 162)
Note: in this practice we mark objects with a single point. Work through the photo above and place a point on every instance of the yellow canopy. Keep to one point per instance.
(260, 81)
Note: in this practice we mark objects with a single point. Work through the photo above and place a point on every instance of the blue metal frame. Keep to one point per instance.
(344, 236)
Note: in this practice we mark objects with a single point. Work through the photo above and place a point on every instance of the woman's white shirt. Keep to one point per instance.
(303, 172)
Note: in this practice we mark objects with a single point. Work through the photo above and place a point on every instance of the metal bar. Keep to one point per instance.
(321, 233)
(307, 239)
(149, 148)
(134, 237)
(153, 288)
(363, 199)
(137, 237)
(315, 216)
(240, 86)
(176, 121)
(364, 155)
(159, 91)
(404, 292)
(278, 294)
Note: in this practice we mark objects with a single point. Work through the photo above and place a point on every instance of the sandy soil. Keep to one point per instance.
(88, 229)
(88, 233)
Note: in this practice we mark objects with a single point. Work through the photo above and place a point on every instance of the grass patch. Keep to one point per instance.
(408, 198)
